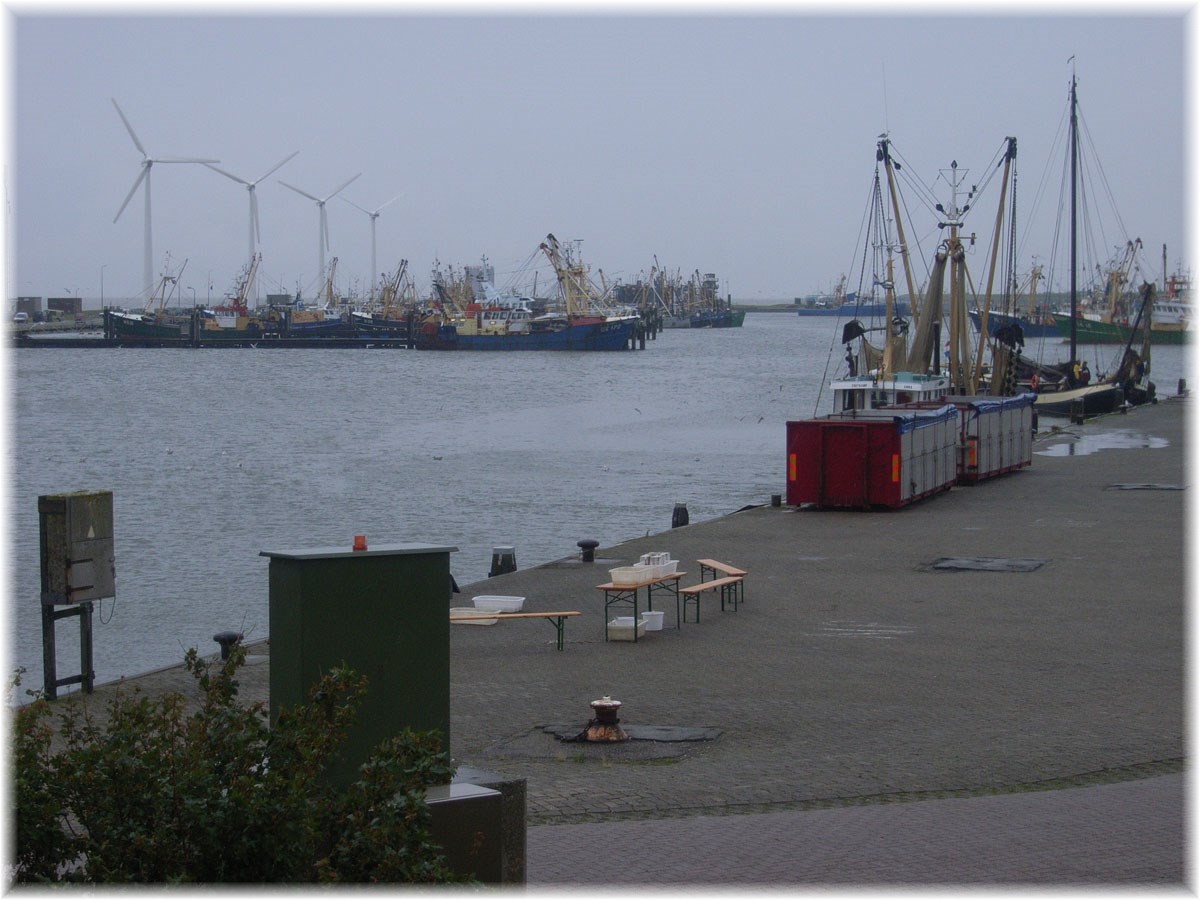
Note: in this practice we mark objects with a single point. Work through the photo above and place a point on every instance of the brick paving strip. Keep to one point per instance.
(1114, 834)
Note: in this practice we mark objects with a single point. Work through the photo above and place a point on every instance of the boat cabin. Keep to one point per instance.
(862, 392)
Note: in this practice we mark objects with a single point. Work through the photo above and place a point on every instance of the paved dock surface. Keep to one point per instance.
(1119, 835)
(878, 719)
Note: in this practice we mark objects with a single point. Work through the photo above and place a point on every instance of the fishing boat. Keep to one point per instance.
(435, 334)
(1034, 321)
(898, 362)
(156, 325)
(1172, 317)
(143, 328)
(295, 320)
(311, 322)
(667, 301)
(488, 320)
(905, 426)
(1129, 382)
(708, 310)
(390, 313)
(1162, 329)
(231, 320)
(850, 306)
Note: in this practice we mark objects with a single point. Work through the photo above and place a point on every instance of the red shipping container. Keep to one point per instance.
(869, 458)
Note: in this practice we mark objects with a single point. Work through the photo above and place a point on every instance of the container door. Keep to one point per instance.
(844, 458)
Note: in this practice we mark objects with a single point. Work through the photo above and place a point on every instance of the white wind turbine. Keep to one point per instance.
(373, 215)
(255, 236)
(148, 163)
(323, 232)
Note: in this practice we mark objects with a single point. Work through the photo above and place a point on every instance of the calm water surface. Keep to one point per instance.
(215, 455)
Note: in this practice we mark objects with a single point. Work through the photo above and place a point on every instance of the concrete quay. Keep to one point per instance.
(878, 720)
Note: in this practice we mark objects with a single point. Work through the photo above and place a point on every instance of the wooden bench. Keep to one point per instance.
(713, 566)
(728, 587)
(557, 619)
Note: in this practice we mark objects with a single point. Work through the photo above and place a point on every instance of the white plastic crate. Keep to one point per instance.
(499, 602)
(621, 628)
(627, 575)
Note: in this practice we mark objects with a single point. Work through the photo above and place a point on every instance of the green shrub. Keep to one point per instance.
(222, 795)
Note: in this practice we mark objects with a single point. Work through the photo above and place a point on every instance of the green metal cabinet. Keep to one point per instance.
(383, 613)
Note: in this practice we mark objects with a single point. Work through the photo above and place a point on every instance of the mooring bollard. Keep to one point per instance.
(1077, 412)
(227, 639)
(679, 516)
(587, 549)
(504, 560)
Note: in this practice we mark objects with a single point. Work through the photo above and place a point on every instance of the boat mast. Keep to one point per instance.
(884, 155)
(959, 350)
(1074, 176)
(976, 373)
(1034, 274)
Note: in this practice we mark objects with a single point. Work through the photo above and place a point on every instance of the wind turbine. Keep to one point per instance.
(255, 237)
(147, 164)
(373, 215)
(323, 232)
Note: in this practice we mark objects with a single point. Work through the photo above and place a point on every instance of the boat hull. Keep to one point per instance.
(725, 318)
(855, 311)
(614, 335)
(1090, 332)
(1029, 328)
(130, 329)
(1092, 400)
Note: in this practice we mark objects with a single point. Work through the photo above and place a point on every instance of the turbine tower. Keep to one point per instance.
(147, 164)
(323, 225)
(255, 236)
(373, 215)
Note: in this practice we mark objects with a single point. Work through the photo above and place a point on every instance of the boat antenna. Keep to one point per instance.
(883, 69)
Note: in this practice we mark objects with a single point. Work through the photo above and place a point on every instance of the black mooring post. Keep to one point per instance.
(86, 670)
(49, 659)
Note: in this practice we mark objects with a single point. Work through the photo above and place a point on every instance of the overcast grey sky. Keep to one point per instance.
(743, 146)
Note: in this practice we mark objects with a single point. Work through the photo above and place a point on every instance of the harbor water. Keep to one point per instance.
(215, 455)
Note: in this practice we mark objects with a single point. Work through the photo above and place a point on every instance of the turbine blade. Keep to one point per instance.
(184, 159)
(274, 168)
(137, 181)
(356, 206)
(389, 203)
(300, 192)
(343, 187)
(228, 174)
(129, 128)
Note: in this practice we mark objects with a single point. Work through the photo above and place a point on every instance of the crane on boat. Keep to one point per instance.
(163, 295)
(572, 277)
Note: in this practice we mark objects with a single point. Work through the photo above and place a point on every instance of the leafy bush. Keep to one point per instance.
(155, 795)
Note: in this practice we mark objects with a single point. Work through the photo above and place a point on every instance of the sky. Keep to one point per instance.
(736, 140)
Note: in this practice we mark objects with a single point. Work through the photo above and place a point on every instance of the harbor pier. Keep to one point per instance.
(984, 687)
